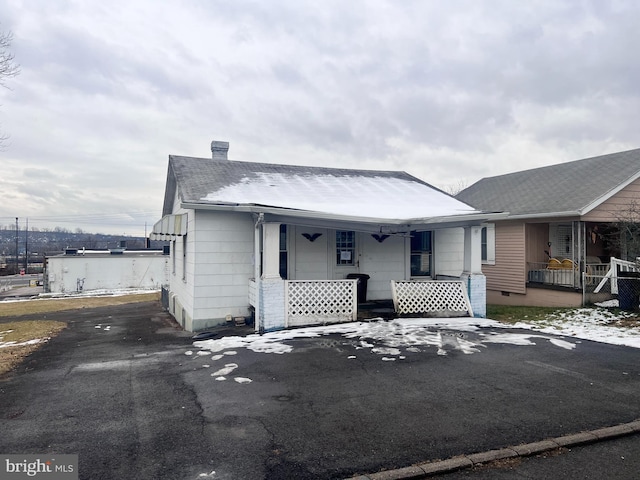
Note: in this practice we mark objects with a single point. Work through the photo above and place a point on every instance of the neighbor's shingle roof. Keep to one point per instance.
(331, 191)
(565, 188)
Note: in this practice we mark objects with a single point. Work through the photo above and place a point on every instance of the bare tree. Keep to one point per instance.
(8, 67)
(456, 188)
(625, 236)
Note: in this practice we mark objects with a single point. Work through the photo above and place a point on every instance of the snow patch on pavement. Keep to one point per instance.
(228, 368)
(389, 338)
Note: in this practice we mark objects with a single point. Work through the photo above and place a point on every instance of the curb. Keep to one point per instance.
(429, 469)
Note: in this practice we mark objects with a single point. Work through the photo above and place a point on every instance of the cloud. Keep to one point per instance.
(448, 91)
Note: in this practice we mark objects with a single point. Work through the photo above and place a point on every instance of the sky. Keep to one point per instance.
(448, 91)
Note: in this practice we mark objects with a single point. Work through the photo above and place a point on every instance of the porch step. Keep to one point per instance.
(376, 309)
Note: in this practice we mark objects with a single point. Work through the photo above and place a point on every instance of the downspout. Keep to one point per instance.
(257, 236)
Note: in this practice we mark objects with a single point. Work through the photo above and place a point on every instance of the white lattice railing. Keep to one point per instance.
(316, 302)
(253, 292)
(433, 297)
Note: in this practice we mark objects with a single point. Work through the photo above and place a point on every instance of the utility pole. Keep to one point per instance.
(26, 248)
(17, 261)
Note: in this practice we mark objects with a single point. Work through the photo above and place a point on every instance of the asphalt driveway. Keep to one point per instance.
(130, 393)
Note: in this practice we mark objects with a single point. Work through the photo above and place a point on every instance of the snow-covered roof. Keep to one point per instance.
(364, 194)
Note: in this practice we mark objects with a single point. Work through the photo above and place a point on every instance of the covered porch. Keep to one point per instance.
(563, 254)
(314, 273)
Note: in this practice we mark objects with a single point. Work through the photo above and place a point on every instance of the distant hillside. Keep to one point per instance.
(46, 243)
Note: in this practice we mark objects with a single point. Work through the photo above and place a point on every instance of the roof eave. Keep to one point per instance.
(471, 218)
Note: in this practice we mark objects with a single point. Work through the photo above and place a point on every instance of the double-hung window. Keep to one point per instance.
(488, 243)
(283, 251)
(421, 254)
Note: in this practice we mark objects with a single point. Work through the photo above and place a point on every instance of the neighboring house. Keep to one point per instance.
(283, 243)
(80, 270)
(563, 220)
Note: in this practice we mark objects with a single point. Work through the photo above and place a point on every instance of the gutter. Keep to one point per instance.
(478, 217)
(545, 215)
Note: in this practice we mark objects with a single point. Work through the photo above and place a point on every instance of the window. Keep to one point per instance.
(421, 252)
(173, 257)
(488, 243)
(345, 247)
(184, 258)
(283, 252)
(483, 244)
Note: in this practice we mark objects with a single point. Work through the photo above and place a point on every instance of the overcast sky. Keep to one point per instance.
(449, 91)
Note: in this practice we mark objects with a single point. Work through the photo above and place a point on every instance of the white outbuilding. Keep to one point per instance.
(80, 270)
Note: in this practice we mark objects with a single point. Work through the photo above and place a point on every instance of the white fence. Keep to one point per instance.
(317, 302)
(615, 265)
(435, 297)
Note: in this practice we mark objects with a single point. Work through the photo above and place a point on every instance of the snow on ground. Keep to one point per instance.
(17, 344)
(392, 340)
(597, 324)
(101, 293)
(88, 293)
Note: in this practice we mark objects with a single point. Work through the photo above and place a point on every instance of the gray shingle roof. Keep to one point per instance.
(331, 191)
(564, 188)
(198, 177)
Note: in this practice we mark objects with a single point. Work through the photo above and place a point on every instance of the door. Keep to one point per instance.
(346, 253)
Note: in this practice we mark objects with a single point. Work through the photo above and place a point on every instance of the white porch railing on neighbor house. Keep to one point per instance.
(554, 272)
(563, 273)
(437, 297)
(597, 269)
(612, 273)
(317, 302)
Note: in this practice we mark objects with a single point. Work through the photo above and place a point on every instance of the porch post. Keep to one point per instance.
(272, 287)
(271, 250)
(476, 282)
(473, 250)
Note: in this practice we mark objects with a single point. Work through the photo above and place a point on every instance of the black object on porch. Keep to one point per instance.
(362, 285)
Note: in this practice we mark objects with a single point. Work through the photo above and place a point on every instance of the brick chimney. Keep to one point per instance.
(219, 150)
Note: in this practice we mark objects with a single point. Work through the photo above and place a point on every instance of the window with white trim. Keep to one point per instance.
(488, 243)
(173, 256)
(283, 252)
(421, 252)
(345, 247)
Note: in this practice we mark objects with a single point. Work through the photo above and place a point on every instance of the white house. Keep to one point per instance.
(283, 243)
(85, 270)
